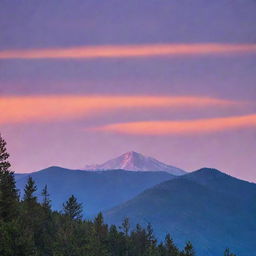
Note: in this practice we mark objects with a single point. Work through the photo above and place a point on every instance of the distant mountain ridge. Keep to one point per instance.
(97, 190)
(208, 207)
(133, 161)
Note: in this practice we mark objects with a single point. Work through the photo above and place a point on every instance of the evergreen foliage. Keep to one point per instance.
(228, 253)
(8, 191)
(73, 209)
(188, 250)
(29, 191)
(172, 250)
(46, 203)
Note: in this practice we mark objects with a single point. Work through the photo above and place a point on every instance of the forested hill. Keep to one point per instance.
(207, 207)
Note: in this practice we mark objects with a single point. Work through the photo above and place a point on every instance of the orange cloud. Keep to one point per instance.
(181, 127)
(128, 51)
(22, 109)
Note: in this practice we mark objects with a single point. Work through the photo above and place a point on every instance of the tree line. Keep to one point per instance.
(29, 227)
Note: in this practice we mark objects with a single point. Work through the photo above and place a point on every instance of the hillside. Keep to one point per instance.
(207, 207)
(97, 190)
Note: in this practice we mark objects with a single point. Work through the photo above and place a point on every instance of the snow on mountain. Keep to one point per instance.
(133, 161)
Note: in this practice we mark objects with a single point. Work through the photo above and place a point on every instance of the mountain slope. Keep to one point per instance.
(207, 207)
(19, 176)
(133, 161)
(97, 190)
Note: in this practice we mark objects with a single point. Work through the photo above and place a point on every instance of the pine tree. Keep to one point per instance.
(45, 224)
(46, 203)
(125, 227)
(188, 250)
(151, 241)
(116, 242)
(8, 192)
(161, 250)
(30, 189)
(100, 236)
(171, 249)
(138, 244)
(98, 222)
(73, 209)
(228, 253)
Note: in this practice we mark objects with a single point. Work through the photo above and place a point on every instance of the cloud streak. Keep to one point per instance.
(129, 51)
(200, 126)
(27, 109)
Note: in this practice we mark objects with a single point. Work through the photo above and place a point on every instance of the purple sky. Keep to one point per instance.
(63, 136)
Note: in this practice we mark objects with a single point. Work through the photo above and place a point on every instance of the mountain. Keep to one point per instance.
(97, 190)
(211, 209)
(133, 161)
(19, 176)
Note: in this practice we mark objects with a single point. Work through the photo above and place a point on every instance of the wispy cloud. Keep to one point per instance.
(23, 109)
(128, 51)
(200, 126)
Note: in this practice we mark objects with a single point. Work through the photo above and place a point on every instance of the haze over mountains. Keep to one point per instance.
(97, 190)
(207, 207)
(133, 161)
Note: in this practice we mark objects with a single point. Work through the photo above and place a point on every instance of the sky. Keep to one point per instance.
(84, 81)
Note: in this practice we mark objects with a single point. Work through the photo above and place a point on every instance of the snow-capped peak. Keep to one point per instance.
(133, 161)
